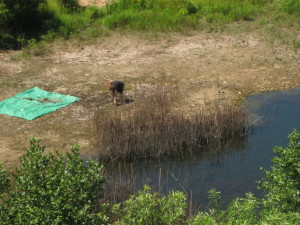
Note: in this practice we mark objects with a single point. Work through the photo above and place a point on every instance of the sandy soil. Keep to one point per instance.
(99, 3)
(207, 67)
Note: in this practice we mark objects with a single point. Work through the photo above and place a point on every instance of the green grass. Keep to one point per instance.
(154, 20)
(290, 6)
(66, 22)
(64, 18)
(174, 15)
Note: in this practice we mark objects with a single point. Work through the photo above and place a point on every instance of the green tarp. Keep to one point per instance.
(33, 103)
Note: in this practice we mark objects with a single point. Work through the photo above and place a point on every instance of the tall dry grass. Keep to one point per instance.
(151, 127)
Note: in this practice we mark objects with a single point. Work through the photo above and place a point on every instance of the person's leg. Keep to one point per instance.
(114, 95)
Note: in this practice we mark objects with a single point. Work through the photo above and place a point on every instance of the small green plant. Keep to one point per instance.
(52, 189)
(191, 8)
(147, 208)
(242, 211)
(215, 198)
(37, 48)
(282, 181)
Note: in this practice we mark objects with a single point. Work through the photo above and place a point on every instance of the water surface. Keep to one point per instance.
(235, 168)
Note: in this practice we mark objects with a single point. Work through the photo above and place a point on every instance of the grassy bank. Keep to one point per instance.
(178, 15)
(65, 18)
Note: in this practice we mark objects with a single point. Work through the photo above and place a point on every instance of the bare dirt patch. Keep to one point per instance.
(99, 3)
(207, 67)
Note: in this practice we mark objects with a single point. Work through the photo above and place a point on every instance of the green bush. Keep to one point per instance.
(240, 211)
(4, 180)
(148, 208)
(52, 189)
(282, 181)
(23, 15)
(62, 189)
(5, 15)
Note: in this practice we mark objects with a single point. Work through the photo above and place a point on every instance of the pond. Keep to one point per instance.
(233, 169)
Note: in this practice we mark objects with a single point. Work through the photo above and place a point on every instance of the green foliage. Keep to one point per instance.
(21, 15)
(5, 15)
(214, 197)
(127, 13)
(149, 20)
(33, 19)
(69, 20)
(4, 180)
(247, 211)
(242, 211)
(148, 208)
(36, 48)
(203, 218)
(53, 189)
(274, 217)
(282, 181)
(290, 6)
(61, 189)
(22, 18)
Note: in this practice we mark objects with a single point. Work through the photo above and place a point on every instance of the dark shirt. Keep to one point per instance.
(117, 86)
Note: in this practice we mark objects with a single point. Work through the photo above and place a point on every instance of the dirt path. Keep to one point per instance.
(208, 67)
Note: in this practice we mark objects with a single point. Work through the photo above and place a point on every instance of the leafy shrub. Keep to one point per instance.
(4, 180)
(191, 8)
(37, 48)
(240, 211)
(148, 208)
(23, 14)
(248, 211)
(5, 15)
(52, 189)
(282, 181)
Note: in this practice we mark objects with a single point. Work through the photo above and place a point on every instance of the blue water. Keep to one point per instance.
(236, 169)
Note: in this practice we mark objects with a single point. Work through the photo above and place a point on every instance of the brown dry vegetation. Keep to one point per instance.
(153, 127)
(209, 68)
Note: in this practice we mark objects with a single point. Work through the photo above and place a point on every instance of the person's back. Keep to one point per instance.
(115, 87)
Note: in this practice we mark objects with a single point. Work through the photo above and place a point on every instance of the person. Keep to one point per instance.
(115, 87)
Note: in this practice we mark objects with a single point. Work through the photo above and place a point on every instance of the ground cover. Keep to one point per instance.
(209, 67)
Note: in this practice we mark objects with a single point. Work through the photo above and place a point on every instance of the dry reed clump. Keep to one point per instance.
(149, 128)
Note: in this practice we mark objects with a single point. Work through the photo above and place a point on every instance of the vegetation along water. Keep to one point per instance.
(196, 127)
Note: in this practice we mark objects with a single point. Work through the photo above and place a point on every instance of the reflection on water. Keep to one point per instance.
(233, 169)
